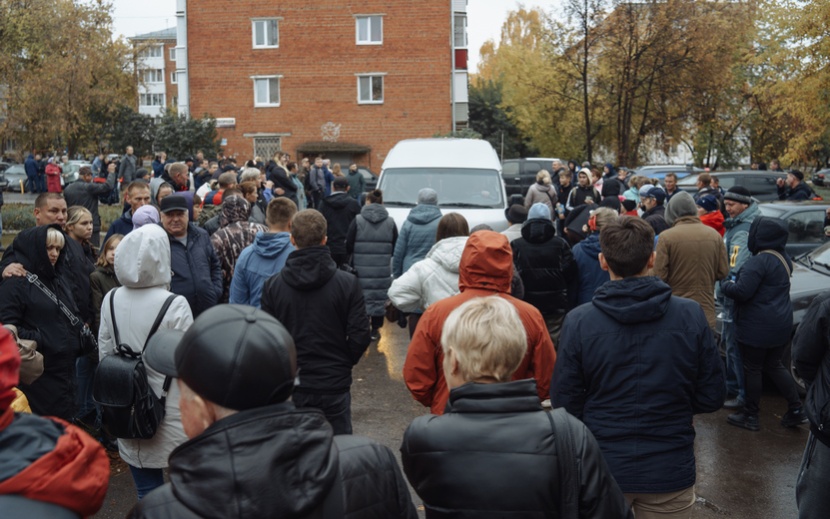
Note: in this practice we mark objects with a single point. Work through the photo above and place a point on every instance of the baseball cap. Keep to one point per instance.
(236, 356)
(173, 203)
(656, 193)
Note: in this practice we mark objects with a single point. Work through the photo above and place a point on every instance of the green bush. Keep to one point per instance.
(17, 217)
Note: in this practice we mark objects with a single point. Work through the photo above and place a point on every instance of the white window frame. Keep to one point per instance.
(150, 98)
(172, 53)
(152, 75)
(153, 51)
(371, 75)
(279, 94)
(466, 42)
(368, 18)
(255, 21)
(174, 78)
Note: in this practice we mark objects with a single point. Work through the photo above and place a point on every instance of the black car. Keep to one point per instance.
(520, 174)
(761, 184)
(805, 221)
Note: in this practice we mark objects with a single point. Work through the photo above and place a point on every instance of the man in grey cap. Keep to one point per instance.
(416, 238)
(251, 452)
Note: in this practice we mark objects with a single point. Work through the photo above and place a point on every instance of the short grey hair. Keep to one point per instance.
(250, 174)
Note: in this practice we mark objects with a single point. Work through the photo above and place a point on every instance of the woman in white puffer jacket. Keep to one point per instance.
(142, 266)
(436, 276)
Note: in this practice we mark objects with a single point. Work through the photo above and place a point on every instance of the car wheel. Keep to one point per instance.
(786, 360)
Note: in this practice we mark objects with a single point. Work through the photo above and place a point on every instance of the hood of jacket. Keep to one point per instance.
(538, 230)
(447, 252)
(30, 251)
(590, 245)
(309, 268)
(234, 209)
(680, 205)
(423, 214)
(374, 213)
(633, 300)
(338, 199)
(748, 214)
(269, 245)
(274, 461)
(486, 263)
(767, 233)
(353, 173)
(142, 259)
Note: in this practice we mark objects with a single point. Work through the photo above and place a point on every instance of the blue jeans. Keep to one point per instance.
(734, 364)
(811, 494)
(84, 375)
(146, 480)
(337, 408)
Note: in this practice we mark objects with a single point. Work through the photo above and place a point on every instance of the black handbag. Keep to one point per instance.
(129, 407)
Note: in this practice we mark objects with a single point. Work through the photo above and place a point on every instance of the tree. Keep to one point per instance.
(130, 128)
(493, 123)
(62, 71)
(180, 136)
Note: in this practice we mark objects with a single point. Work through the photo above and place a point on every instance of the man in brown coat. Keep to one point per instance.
(691, 256)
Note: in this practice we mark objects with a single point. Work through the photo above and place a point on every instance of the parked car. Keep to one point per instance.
(761, 184)
(71, 169)
(820, 176)
(4, 166)
(14, 175)
(370, 178)
(520, 174)
(660, 171)
(805, 221)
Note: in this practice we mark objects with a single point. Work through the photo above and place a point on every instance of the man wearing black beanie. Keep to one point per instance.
(794, 188)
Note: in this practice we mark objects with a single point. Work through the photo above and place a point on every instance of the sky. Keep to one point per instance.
(484, 18)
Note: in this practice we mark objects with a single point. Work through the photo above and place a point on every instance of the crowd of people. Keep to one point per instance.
(250, 293)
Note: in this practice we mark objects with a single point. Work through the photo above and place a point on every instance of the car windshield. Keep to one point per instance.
(691, 180)
(819, 256)
(771, 210)
(455, 187)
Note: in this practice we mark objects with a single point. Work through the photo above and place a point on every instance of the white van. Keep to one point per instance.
(466, 174)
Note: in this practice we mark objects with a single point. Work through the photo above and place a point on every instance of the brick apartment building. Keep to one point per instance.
(156, 71)
(341, 78)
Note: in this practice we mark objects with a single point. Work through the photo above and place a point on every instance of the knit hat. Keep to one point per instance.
(709, 203)
(797, 174)
(538, 210)
(612, 202)
(738, 194)
(428, 196)
(144, 215)
(629, 205)
(516, 214)
(681, 204)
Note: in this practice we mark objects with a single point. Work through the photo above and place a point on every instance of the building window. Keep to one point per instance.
(267, 91)
(153, 75)
(151, 99)
(369, 29)
(267, 146)
(460, 30)
(370, 89)
(154, 51)
(266, 34)
(173, 54)
(174, 77)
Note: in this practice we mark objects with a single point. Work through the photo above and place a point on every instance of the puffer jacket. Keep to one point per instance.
(656, 218)
(737, 236)
(416, 238)
(811, 357)
(764, 311)
(519, 476)
(197, 273)
(431, 279)
(257, 262)
(635, 366)
(541, 193)
(323, 309)
(142, 262)
(546, 266)
(277, 462)
(591, 276)
(371, 241)
(691, 258)
(340, 210)
(39, 318)
(232, 238)
(486, 269)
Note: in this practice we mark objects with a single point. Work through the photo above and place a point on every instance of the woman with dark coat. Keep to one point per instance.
(41, 251)
(764, 320)
(586, 255)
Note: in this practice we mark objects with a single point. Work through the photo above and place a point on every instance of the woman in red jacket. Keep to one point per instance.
(53, 176)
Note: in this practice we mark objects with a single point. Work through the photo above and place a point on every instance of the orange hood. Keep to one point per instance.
(486, 263)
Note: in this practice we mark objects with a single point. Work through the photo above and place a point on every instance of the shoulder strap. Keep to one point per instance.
(781, 259)
(159, 317)
(112, 315)
(568, 474)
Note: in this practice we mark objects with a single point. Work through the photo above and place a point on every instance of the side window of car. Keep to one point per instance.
(531, 168)
(806, 227)
(760, 185)
(510, 170)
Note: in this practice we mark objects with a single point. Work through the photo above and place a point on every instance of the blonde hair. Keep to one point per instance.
(487, 338)
(74, 215)
(111, 243)
(543, 177)
(55, 237)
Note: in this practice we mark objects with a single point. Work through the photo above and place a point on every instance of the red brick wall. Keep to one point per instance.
(318, 59)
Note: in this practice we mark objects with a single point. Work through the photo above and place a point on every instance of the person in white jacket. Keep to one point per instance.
(436, 276)
(142, 266)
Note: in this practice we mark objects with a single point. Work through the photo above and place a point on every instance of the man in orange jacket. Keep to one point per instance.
(486, 269)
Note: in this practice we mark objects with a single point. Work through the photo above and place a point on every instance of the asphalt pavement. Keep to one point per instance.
(740, 474)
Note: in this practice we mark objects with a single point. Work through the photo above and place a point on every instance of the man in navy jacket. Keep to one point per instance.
(635, 365)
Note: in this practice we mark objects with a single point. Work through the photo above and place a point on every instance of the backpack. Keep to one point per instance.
(129, 407)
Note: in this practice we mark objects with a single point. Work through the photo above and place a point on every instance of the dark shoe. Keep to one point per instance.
(733, 403)
(794, 417)
(745, 421)
(375, 335)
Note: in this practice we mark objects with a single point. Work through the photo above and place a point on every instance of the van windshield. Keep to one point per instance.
(455, 187)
